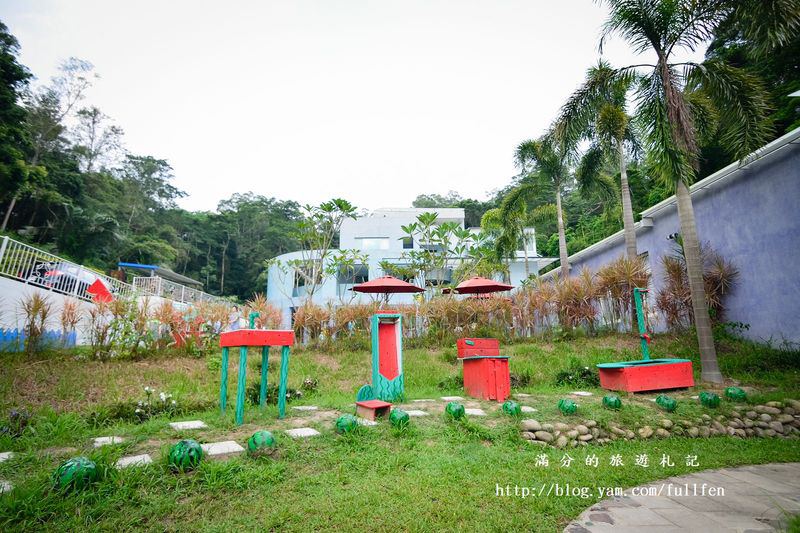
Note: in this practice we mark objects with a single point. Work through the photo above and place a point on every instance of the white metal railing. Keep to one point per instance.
(158, 286)
(42, 269)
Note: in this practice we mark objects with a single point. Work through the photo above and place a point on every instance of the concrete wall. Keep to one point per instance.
(751, 218)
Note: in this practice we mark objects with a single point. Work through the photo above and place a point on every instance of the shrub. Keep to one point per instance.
(577, 374)
(253, 393)
(17, 421)
(37, 311)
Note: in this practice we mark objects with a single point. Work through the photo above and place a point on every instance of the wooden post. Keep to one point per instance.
(242, 384)
(223, 385)
(284, 379)
(264, 367)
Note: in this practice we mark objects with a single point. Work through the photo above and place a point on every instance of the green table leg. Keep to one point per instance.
(242, 384)
(223, 385)
(264, 367)
(284, 378)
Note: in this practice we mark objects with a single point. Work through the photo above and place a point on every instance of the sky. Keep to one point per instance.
(375, 101)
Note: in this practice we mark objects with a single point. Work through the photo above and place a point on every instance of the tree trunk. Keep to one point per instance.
(11, 205)
(562, 238)
(627, 207)
(694, 269)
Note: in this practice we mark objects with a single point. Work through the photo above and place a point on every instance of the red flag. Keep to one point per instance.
(100, 292)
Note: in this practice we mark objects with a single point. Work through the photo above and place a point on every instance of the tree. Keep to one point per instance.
(678, 103)
(596, 112)
(97, 140)
(546, 164)
(48, 107)
(13, 81)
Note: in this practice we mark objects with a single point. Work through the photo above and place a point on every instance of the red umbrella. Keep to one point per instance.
(386, 285)
(478, 285)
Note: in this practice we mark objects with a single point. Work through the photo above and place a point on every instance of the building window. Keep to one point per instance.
(408, 243)
(374, 243)
(353, 275)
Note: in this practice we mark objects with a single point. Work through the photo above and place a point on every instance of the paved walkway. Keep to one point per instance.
(755, 498)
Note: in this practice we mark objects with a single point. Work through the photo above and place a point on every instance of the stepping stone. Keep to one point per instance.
(695, 397)
(423, 401)
(189, 424)
(5, 486)
(218, 449)
(527, 409)
(452, 398)
(105, 441)
(302, 433)
(5, 456)
(416, 412)
(305, 407)
(581, 393)
(475, 412)
(522, 395)
(365, 422)
(134, 460)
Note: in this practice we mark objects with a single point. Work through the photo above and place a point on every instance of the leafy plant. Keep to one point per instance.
(37, 311)
(577, 375)
(17, 421)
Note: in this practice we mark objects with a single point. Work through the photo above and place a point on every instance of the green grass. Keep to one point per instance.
(436, 475)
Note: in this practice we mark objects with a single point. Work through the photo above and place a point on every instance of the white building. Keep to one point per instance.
(379, 236)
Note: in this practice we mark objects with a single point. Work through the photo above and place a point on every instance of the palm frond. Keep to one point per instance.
(741, 103)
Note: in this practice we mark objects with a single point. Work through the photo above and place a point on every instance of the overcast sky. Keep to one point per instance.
(373, 101)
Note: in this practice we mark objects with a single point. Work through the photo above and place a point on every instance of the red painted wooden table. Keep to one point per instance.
(264, 338)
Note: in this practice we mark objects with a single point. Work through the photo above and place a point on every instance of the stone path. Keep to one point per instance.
(107, 441)
(5, 456)
(756, 498)
(134, 460)
(189, 424)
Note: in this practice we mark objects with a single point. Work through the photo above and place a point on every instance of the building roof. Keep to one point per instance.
(718, 178)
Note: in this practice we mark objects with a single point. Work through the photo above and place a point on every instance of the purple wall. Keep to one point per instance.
(751, 218)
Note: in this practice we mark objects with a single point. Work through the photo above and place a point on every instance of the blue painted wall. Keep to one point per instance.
(753, 219)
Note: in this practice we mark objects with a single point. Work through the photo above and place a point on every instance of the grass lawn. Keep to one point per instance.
(435, 475)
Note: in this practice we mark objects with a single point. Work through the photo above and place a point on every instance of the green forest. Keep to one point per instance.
(68, 185)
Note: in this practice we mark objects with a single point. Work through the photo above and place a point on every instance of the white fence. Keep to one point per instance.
(41, 269)
(164, 288)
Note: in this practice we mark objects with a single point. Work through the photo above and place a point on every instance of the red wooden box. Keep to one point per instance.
(647, 376)
(487, 377)
(468, 347)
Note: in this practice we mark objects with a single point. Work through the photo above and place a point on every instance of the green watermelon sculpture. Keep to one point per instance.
(512, 408)
(709, 399)
(455, 410)
(567, 406)
(399, 418)
(262, 443)
(735, 394)
(666, 403)
(75, 474)
(346, 424)
(185, 455)
(612, 401)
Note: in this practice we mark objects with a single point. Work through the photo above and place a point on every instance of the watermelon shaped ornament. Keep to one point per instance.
(261, 443)
(455, 410)
(709, 399)
(512, 408)
(666, 403)
(185, 455)
(399, 418)
(346, 424)
(735, 394)
(75, 474)
(567, 406)
(612, 401)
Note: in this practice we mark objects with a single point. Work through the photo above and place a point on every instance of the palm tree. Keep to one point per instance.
(596, 112)
(543, 163)
(677, 102)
